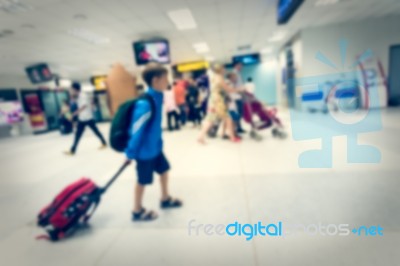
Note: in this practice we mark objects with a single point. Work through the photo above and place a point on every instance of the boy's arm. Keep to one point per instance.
(140, 118)
(79, 110)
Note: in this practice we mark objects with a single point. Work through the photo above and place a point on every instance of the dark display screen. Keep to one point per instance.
(249, 59)
(286, 9)
(39, 73)
(151, 51)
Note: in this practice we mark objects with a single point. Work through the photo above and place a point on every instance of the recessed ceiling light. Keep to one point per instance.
(88, 36)
(80, 17)
(277, 36)
(201, 47)
(183, 19)
(245, 47)
(28, 26)
(326, 2)
(14, 6)
(5, 33)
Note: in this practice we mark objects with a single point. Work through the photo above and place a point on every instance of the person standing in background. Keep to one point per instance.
(237, 68)
(232, 106)
(204, 90)
(250, 88)
(193, 102)
(180, 99)
(85, 118)
(171, 108)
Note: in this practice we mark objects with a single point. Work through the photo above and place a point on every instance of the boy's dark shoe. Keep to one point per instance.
(171, 203)
(144, 216)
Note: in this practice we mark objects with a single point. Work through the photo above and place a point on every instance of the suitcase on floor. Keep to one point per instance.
(73, 206)
(66, 126)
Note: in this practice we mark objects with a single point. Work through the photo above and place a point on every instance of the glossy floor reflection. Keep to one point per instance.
(220, 183)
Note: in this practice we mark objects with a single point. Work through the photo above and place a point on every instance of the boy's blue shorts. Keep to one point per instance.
(146, 168)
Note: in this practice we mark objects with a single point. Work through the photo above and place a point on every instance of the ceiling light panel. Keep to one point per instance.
(14, 6)
(326, 2)
(183, 19)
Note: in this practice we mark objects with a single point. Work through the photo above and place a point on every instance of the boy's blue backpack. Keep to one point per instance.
(119, 133)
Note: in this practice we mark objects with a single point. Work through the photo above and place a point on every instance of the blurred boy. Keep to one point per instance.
(146, 144)
(85, 118)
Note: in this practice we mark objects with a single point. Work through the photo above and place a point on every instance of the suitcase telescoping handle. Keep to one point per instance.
(117, 174)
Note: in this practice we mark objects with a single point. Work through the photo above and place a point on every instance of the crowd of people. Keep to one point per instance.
(209, 102)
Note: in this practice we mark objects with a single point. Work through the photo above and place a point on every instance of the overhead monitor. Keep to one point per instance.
(152, 51)
(286, 9)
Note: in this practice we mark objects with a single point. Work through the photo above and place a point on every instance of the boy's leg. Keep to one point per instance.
(144, 170)
(164, 186)
(138, 198)
(162, 167)
(78, 134)
(96, 131)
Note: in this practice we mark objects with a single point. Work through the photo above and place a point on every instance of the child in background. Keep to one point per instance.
(232, 106)
(172, 109)
(66, 125)
(249, 86)
(65, 111)
(146, 145)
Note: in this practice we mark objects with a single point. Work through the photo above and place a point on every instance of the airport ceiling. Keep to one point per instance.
(35, 31)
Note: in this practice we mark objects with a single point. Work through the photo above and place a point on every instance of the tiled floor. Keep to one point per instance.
(220, 183)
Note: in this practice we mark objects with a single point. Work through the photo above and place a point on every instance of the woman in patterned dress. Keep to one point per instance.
(217, 105)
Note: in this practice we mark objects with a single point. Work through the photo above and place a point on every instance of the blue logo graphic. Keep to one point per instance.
(281, 229)
(330, 106)
(251, 230)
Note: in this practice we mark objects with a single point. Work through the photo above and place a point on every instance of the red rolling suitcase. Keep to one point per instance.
(74, 205)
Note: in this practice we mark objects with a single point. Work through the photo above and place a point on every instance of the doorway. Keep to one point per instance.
(394, 76)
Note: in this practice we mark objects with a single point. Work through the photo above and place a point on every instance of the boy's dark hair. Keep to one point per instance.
(249, 79)
(76, 86)
(153, 70)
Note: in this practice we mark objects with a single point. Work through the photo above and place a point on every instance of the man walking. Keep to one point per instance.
(85, 118)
